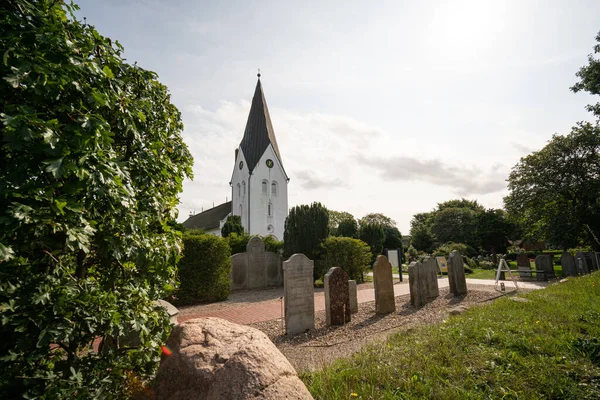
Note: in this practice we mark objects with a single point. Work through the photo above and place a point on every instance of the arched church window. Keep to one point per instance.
(240, 210)
(244, 187)
(274, 188)
(239, 190)
(265, 184)
(269, 210)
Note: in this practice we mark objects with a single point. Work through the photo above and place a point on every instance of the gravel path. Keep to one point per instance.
(315, 349)
(248, 298)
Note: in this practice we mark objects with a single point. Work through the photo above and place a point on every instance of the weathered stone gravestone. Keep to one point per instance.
(591, 261)
(239, 271)
(298, 294)
(567, 263)
(337, 297)
(456, 274)
(431, 268)
(352, 291)
(417, 284)
(523, 265)
(581, 261)
(543, 262)
(383, 283)
(256, 268)
(255, 250)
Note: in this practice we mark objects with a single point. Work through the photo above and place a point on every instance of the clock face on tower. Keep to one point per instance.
(241, 164)
(269, 163)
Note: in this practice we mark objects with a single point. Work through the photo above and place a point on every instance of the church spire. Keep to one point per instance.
(259, 130)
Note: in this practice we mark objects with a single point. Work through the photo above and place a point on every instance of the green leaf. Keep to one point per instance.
(6, 253)
(54, 167)
(108, 72)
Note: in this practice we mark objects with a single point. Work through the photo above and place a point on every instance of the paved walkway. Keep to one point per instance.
(270, 310)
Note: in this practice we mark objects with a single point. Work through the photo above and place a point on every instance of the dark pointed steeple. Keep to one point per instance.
(259, 130)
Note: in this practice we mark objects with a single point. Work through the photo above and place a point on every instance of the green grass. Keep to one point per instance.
(482, 274)
(546, 348)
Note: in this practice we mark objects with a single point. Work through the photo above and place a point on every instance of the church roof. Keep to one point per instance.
(209, 219)
(259, 130)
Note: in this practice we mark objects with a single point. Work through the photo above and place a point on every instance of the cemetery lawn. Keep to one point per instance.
(547, 346)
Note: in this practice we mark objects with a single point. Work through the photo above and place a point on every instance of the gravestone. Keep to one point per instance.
(591, 261)
(456, 274)
(298, 294)
(543, 262)
(567, 263)
(239, 263)
(255, 250)
(337, 297)
(582, 265)
(523, 265)
(431, 269)
(273, 270)
(352, 291)
(383, 283)
(417, 284)
(255, 268)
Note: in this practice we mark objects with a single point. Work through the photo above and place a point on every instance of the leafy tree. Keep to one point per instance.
(493, 230)
(590, 78)
(455, 225)
(377, 218)
(233, 224)
(373, 235)
(91, 162)
(554, 191)
(393, 238)
(335, 218)
(420, 232)
(347, 228)
(352, 255)
(461, 203)
(306, 226)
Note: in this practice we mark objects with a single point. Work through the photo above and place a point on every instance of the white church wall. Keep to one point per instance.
(238, 198)
(260, 221)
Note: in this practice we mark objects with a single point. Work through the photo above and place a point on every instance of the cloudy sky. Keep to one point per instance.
(387, 106)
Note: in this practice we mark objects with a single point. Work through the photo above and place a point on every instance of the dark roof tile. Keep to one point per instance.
(259, 130)
(208, 219)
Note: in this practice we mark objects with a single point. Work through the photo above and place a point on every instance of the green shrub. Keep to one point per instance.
(272, 244)
(411, 254)
(203, 270)
(232, 225)
(447, 248)
(237, 243)
(352, 255)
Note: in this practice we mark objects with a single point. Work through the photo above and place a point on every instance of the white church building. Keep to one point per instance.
(259, 189)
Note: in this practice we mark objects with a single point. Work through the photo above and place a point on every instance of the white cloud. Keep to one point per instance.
(337, 160)
(462, 180)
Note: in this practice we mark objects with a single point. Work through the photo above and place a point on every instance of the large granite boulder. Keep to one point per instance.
(216, 359)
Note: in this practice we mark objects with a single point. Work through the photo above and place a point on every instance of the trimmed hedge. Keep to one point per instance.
(204, 269)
